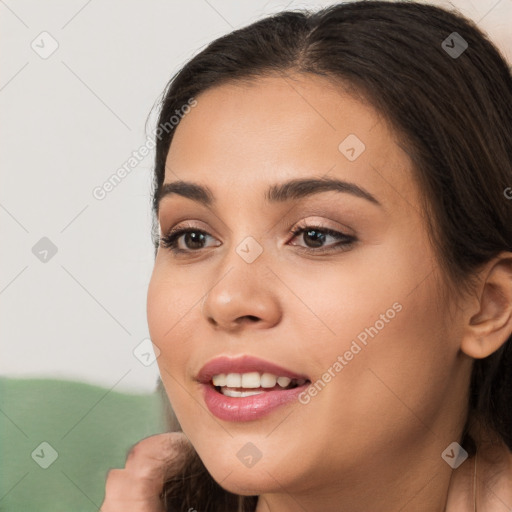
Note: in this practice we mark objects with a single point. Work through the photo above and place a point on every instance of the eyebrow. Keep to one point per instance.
(277, 193)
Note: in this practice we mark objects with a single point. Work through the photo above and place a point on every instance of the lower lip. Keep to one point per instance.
(248, 408)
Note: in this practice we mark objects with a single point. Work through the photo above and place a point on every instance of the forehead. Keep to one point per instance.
(248, 135)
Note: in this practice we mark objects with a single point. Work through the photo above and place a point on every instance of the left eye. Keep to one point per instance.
(195, 238)
(317, 235)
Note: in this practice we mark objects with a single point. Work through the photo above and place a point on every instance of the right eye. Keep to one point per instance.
(193, 239)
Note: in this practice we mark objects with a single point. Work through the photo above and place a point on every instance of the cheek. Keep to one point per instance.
(388, 324)
(397, 368)
(170, 304)
(171, 301)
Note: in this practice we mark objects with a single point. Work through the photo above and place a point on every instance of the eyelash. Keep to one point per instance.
(170, 240)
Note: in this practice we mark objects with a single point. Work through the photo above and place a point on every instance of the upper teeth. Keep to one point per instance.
(251, 380)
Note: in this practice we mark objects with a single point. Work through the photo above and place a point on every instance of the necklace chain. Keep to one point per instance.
(474, 486)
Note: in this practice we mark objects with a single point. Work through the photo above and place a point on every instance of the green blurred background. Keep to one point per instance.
(89, 429)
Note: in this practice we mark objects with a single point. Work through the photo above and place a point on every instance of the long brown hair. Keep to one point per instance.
(453, 115)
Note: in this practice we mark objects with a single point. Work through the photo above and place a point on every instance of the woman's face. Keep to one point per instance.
(361, 317)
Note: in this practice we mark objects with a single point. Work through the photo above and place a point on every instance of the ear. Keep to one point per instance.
(489, 317)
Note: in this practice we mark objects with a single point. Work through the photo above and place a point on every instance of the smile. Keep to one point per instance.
(237, 384)
(247, 388)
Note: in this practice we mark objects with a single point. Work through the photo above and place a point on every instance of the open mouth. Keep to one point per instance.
(246, 388)
(238, 385)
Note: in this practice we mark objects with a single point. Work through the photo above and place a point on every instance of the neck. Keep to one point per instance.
(422, 484)
(418, 482)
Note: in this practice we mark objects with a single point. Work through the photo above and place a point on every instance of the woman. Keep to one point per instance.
(332, 290)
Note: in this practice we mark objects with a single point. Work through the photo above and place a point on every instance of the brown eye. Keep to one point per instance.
(193, 239)
(315, 237)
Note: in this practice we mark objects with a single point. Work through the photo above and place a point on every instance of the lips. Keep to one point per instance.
(243, 364)
(239, 405)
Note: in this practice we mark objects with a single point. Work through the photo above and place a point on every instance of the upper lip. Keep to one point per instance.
(243, 364)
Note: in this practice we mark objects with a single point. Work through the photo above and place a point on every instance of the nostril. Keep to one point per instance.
(249, 318)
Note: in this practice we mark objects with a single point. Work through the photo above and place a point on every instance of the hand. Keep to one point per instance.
(137, 487)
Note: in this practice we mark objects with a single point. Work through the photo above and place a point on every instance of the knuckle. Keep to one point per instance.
(116, 479)
(132, 452)
(145, 471)
(151, 457)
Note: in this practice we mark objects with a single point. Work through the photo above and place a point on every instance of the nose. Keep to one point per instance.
(243, 297)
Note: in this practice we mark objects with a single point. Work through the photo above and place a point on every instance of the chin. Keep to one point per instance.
(240, 468)
(247, 482)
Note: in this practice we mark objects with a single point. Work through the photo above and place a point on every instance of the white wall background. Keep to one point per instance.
(68, 122)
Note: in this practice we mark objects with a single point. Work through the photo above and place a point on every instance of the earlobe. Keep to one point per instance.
(490, 326)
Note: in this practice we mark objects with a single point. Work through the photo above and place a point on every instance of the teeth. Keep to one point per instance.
(219, 380)
(283, 381)
(239, 394)
(253, 380)
(268, 380)
(233, 380)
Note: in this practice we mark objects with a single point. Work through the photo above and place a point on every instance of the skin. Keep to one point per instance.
(136, 487)
(376, 432)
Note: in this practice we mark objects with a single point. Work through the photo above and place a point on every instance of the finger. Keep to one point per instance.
(125, 492)
(138, 486)
(147, 457)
